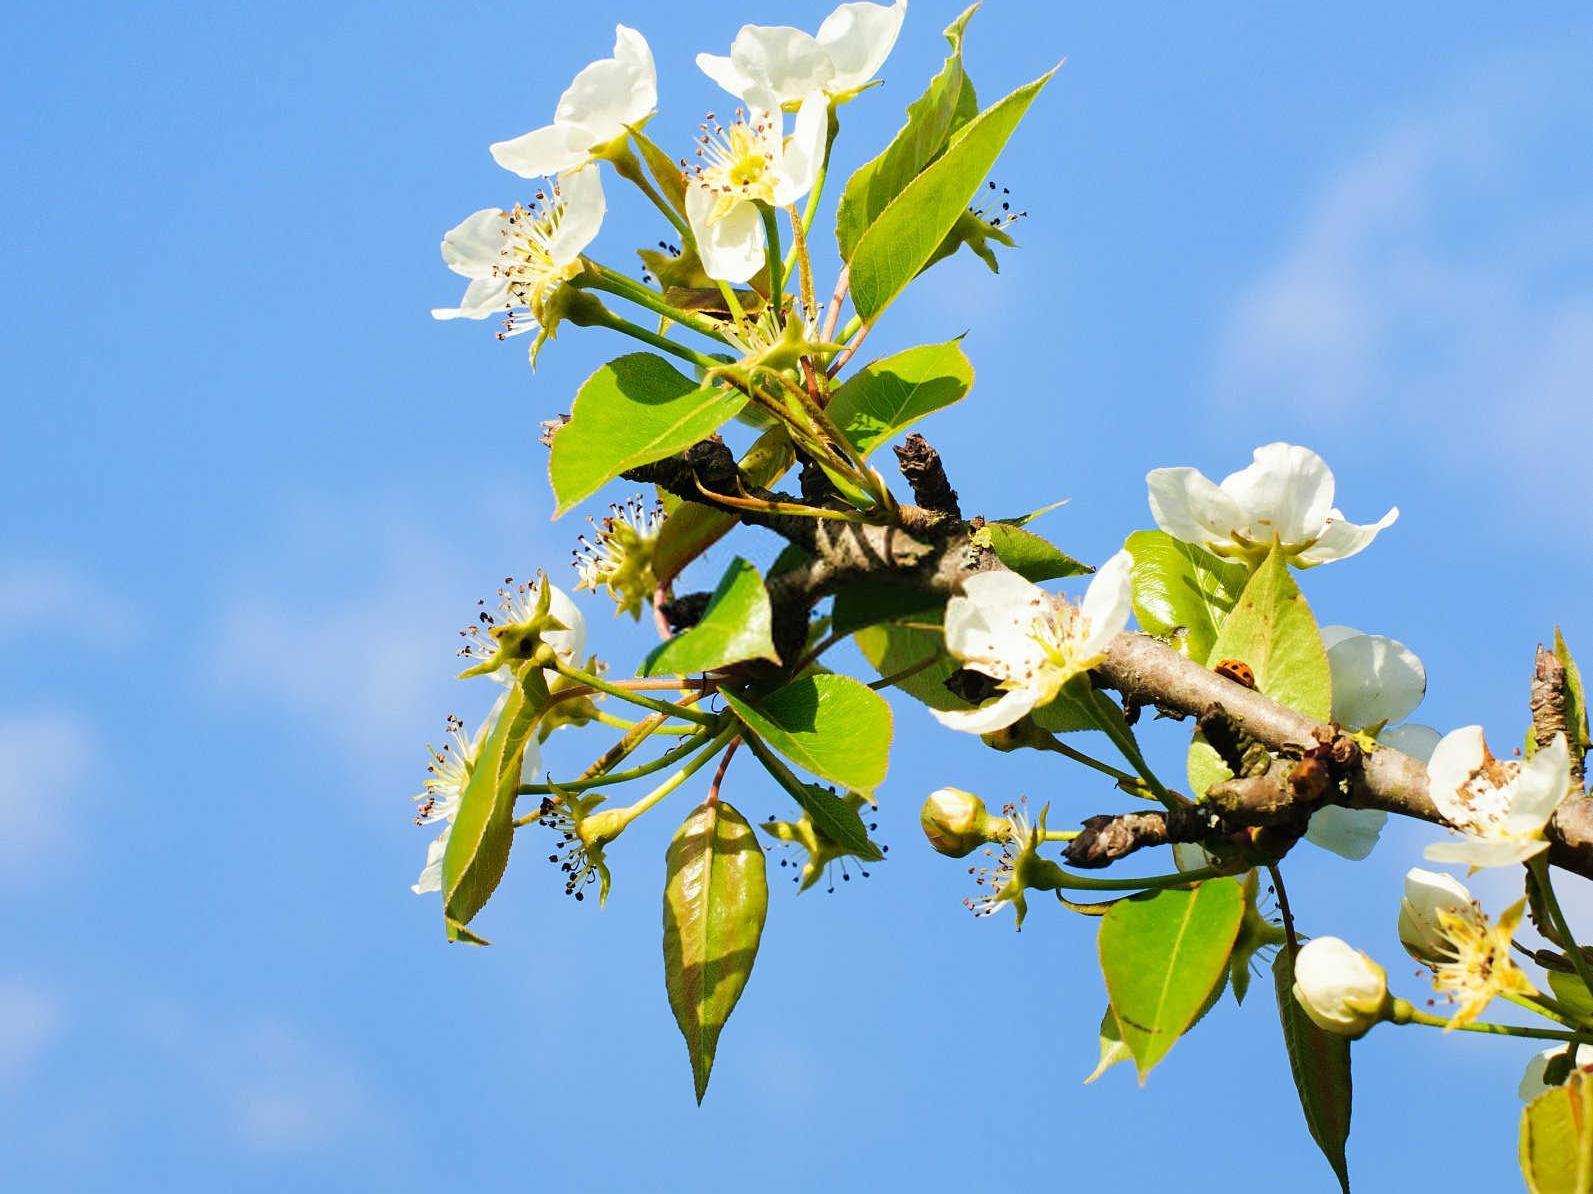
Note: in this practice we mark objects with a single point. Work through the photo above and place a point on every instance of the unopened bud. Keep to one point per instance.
(1427, 893)
(956, 823)
(1340, 988)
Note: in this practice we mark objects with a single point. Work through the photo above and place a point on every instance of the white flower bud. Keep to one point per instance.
(1340, 988)
(955, 821)
(1427, 893)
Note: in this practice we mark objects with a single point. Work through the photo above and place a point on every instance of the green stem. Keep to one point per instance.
(625, 694)
(1110, 722)
(1404, 1013)
(616, 283)
(771, 236)
(1056, 877)
(694, 765)
(911, 669)
(619, 723)
(664, 343)
(630, 169)
(1539, 866)
(673, 755)
(1547, 1008)
(811, 211)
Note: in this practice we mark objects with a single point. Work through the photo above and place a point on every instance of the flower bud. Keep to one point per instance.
(1340, 988)
(1427, 893)
(955, 822)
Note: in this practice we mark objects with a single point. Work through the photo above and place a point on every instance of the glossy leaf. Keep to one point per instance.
(878, 403)
(1557, 1138)
(483, 828)
(1163, 954)
(735, 627)
(1271, 629)
(830, 725)
(636, 409)
(1029, 555)
(916, 144)
(1320, 1063)
(691, 528)
(838, 822)
(1182, 592)
(715, 898)
(907, 233)
(892, 647)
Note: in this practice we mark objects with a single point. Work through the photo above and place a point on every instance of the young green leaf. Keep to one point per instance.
(1182, 591)
(878, 403)
(483, 828)
(691, 528)
(1575, 697)
(1029, 555)
(907, 233)
(1320, 1063)
(715, 898)
(1163, 954)
(892, 647)
(1557, 1138)
(916, 144)
(828, 724)
(634, 410)
(1113, 1050)
(838, 822)
(1272, 630)
(735, 627)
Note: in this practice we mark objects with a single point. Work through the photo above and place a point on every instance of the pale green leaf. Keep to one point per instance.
(892, 647)
(907, 233)
(1272, 630)
(735, 627)
(831, 725)
(1163, 954)
(634, 410)
(1320, 1064)
(1113, 1050)
(1182, 592)
(1557, 1138)
(1029, 555)
(715, 899)
(878, 403)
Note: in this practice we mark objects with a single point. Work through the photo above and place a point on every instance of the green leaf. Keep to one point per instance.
(1575, 697)
(1029, 555)
(1557, 1138)
(838, 821)
(634, 410)
(1320, 1063)
(1113, 1050)
(1272, 630)
(735, 627)
(907, 233)
(1182, 592)
(868, 603)
(830, 725)
(879, 402)
(892, 648)
(483, 829)
(916, 144)
(665, 170)
(1163, 954)
(715, 898)
(1568, 989)
(1024, 520)
(1065, 715)
(691, 529)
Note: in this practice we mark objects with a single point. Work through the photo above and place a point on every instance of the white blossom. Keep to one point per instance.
(1028, 641)
(1284, 496)
(517, 603)
(1340, 988)
(773, 65)
(604, 98)
(1499, 807)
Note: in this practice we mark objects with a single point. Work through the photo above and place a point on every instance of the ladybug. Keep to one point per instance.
(1238, 671)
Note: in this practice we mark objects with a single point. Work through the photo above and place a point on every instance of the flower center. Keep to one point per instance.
(526, 260)
(737, 161)
(1058, 631)
(1485, 796)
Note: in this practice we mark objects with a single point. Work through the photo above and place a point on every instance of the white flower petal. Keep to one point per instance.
(1375, 680)
(1343, 539)
(858, 39)
(1011, 706)
(1477, 852)
(1190, 508)
(604, 97)
(1332, 636)
(581, 194)
(631, 48)
(569, 643)
(1544, 781)
(1348, 832)
(782, 61)
(1107, 603)
(431, 874)
(473, 247)
(726, 73)
(990, 625)
(544, 152)
(1286, 492)
(1454, 761)
(803, 152)
(1427, 893)
(483, 297)
(1532, 1080)
(731, 247)
(1417, 741)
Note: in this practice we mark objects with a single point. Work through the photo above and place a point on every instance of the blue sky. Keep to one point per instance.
(250, 489)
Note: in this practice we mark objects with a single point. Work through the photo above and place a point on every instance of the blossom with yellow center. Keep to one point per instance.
(1475, 963)
(1499, 806)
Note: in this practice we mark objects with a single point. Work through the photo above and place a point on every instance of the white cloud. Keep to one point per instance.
(48, 757)
(1442, 283)
(30, 1020)
(288, 1094)
(35, 594)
